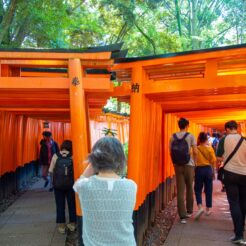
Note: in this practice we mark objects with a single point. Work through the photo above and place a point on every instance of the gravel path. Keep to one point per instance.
(156, 235)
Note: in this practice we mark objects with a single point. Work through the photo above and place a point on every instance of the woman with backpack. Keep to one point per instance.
(107, 200)
(61, 168)
(204, 174)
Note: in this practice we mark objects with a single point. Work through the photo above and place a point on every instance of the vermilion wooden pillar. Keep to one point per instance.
(78, 124)
(135, 155)
(136, 130)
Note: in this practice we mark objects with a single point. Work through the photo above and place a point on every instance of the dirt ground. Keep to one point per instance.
(157, 234)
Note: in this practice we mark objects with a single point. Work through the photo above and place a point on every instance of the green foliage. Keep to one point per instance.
(125, 147)
(109, 132)
(146, 27)
(34, 24)
(114, 106)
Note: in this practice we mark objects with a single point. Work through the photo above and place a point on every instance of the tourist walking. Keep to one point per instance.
(232, 151)
(204, 174)
(61, 170)
(181, 144)
(48, 148)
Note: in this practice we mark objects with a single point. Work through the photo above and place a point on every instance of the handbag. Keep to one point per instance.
(220, 175)
(221, 170)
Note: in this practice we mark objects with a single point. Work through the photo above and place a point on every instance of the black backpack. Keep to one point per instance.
(63, 178)
(180, 152)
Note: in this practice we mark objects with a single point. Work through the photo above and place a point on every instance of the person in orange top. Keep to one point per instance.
(204, 174)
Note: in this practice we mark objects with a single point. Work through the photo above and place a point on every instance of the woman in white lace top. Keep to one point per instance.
(107, 200)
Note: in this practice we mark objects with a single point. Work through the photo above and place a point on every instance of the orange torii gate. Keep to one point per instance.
(207, 86)
(57, 85)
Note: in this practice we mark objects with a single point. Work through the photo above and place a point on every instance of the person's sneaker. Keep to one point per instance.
(188, 215)
(207, 213)
(237, 240)
(71, 226)
(183, 221)
(61, 228)
(199, 214)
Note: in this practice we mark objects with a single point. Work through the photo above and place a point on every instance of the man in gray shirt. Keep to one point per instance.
(180, 145)
(234, 177)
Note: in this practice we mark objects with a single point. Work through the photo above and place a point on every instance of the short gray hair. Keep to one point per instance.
(107, 155)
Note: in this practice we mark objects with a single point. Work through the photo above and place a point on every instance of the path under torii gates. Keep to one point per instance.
(207, 86)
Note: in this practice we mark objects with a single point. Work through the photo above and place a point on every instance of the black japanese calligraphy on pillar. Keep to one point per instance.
(75, 81)
(46, 124)
(135, 88)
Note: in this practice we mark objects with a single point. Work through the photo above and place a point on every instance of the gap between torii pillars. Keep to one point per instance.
(79, 134)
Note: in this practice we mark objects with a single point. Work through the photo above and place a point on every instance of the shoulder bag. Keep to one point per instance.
(221, 175)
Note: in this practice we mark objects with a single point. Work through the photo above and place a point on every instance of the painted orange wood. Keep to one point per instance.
(123, 90)
(135, 158)
(43, 74)
(194, 84)
(90, 84)
(33, 83)
(4, 70)
(54, 55)
(56, 63)
(37, 62)
(20, 137)
(37, 110)
(208, 88)
(79, 120)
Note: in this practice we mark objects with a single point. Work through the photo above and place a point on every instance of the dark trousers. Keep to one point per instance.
(45, 169)
(60, 197)
(235, 185)
(204, 178)
(184, 180)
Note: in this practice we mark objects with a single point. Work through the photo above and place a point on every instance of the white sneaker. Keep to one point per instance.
(199, 214)
(237, 240)
(183, 221)
(61, 228)
(188, 215)
(71, 226)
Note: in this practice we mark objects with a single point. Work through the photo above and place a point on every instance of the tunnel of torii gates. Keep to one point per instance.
(69, 88)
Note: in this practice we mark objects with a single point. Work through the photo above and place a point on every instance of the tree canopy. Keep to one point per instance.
(147, 27)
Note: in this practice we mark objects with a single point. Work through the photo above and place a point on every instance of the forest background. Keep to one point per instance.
(146, 27)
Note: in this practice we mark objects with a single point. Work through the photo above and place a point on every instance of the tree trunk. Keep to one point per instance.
(194, 26)
(189, 20)
(177, 9)
(7, 19)
(147, 37)
(237, 33)
(243, 25)
(1, 11)
(21, 34)
(122, 33)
